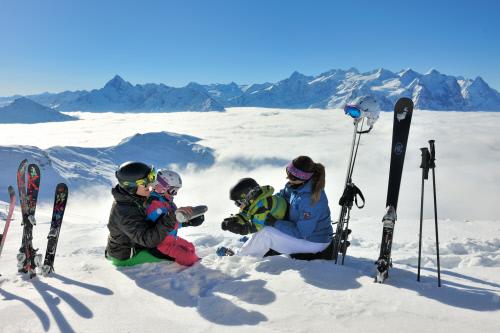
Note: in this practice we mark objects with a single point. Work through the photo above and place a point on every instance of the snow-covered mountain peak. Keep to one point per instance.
(24, 103)
(479, 82)
(151, 139)
(297, 76)
(407, 72)
(118, 83)
(195, 86)
(433, 72)
(24, 110)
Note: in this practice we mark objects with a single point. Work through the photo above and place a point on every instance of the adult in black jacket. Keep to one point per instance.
(132, 239)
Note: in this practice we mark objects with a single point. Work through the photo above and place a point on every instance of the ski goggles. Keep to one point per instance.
(161, 189)
(239, 202)
(352, 110)
(295, 174)
(150, 178)
(173, 190)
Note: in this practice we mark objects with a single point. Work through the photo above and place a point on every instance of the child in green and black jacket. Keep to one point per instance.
(257, 205)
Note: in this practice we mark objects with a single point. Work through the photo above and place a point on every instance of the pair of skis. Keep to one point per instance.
(27, 258)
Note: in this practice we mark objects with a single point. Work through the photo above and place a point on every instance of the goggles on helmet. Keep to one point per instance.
(159, 188)
(150, 178)
(173, 190)
(239, 202)
(353, 110)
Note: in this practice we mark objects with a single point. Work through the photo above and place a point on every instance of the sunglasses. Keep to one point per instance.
(352, 110)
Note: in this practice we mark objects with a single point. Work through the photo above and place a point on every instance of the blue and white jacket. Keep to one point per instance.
(306, 220)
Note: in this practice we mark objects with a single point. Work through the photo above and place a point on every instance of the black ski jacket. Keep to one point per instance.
(129, 231)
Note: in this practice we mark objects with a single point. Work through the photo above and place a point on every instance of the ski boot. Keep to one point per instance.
(21, 258)
(224, 252)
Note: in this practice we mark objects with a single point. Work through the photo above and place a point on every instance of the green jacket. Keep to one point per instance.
(260, 204)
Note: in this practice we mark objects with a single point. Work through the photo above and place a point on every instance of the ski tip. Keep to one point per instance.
(403, 107)
(62, 187)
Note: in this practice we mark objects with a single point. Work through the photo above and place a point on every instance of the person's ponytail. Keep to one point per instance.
(318, 182)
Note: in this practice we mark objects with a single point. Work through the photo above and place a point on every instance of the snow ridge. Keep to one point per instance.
(82, 167)
(25, 111)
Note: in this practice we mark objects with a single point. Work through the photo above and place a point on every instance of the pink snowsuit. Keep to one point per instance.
(173, 246)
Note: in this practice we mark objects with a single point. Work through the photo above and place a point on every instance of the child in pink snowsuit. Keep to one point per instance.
(161, 201)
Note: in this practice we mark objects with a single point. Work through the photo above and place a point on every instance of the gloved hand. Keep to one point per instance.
(237, 225)
(194, 222)
(270, 220)
(169, 220)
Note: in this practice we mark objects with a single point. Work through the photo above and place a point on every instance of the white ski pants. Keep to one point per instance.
(271, 238)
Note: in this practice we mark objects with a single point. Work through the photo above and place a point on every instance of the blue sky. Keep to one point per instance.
(55, 45)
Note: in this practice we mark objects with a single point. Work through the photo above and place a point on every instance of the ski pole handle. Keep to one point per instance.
(425, 162)
(432, 163)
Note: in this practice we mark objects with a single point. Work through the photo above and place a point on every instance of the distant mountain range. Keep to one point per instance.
(332, 89)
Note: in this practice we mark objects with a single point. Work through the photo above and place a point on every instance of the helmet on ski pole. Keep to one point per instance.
(132, 174)
(364, 107)
(167, 181)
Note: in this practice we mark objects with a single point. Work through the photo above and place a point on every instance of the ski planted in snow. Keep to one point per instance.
(60, 199)
(12, 204)
(27, 258)
(403, 111)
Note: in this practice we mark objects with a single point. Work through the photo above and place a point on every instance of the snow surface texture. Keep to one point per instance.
(332, 89)
(275, 294)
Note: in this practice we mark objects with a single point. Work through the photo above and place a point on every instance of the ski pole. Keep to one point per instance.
(425, 175)
(432, 165)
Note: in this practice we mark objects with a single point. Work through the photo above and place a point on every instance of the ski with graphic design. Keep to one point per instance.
(403, 111)
(60, 199)
(27, 258)
(12, 204)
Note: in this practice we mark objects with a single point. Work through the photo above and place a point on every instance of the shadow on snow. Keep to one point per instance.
(53, 296)
(200, 287)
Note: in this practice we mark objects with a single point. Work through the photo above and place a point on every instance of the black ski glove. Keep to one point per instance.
(167, 220)
(270, 220)
(194, 222)
(237, 225)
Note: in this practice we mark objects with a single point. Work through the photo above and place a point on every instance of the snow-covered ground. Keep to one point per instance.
(274, 294)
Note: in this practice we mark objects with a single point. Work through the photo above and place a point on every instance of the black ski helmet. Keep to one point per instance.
(241, 189)
(130, 173)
